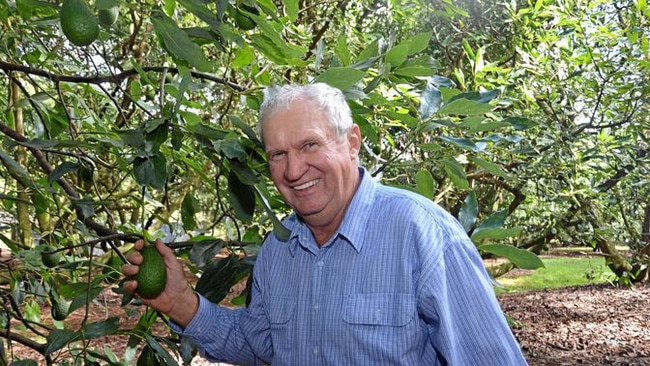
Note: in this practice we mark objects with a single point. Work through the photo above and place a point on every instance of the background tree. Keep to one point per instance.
(527, 121)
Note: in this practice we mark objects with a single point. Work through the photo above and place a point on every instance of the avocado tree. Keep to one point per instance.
(145, 130)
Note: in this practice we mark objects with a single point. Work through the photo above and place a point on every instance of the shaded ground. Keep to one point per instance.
(590, 325)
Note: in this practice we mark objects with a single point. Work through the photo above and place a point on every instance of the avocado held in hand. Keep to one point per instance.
(152, 275)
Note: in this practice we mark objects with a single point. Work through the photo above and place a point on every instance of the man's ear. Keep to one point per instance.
(354, 140)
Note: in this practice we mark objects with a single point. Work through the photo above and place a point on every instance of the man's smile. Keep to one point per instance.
(306, 185)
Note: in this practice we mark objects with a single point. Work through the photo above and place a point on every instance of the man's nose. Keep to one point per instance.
(296, 166)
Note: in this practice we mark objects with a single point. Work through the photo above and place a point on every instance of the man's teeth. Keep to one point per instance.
(306, 185)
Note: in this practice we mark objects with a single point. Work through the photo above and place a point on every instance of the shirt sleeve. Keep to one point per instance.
(457, 301)
(238, 336)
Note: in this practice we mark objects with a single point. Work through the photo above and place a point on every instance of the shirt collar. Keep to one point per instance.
(354, 220)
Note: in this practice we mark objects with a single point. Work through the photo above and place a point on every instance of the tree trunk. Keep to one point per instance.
(618, 263)
(25, 234)
(645, 227)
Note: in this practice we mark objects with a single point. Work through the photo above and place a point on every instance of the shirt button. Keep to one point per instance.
(316, 307)
(315, 351)
(320, 264)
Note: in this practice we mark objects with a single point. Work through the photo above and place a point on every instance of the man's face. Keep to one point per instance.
(315, 172)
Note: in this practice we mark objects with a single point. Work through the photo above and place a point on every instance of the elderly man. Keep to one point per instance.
(370, 275)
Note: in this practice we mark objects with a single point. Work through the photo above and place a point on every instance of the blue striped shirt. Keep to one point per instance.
(400, 284)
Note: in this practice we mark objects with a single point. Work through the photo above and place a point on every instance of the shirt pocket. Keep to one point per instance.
(384, 309)
(281, 309)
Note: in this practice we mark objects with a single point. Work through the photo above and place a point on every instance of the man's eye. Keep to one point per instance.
(309, 145)
(276, 156)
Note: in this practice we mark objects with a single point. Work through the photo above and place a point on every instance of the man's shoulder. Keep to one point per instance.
(396, 197)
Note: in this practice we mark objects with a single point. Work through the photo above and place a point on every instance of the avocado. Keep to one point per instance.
(108, 17)
(60, 307)
(78, 23)
(152, 275)
(50, 257)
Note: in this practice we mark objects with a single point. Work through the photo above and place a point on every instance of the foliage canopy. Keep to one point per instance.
(527, 120)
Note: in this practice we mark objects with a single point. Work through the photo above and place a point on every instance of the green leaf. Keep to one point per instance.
(371, 51)
(288, 54)
(425, 183)
(269, 49)
(23, 363)
(231, 148)
(520, 123)
(86, 204)
(519, 257)
(161, 352)
(198, 8)
(13, 165)
(102, 328)
(217, 278)
(245, 127)
(291, 7)
(151, 171)
(490, 167)
(59, 338)
(418, 42)
(456, 173)
(177, 42)
(82, 293)
(468, 214)
(204, 249)
(342, 50)
(397, 55)
(61, 170)
(412, 71)
(241, 198)
(464, 143)
(186, 80)
(280, 231)
(495, 220)
(465, 107)
(430, 101)
(342, 78)
(189, 208)
(245, 173)
(244, 55)
(495, 233)
(476, 124)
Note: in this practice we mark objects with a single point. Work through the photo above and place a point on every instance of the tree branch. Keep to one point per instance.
(67, 187)
(115, 79)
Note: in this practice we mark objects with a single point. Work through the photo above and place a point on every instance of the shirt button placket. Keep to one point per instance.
(316, 307)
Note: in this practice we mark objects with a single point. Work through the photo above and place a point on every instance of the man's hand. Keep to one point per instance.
(177, 300)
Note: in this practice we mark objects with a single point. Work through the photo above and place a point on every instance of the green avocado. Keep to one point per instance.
(60, 308)
(50, 257)
(152, 275)
(78, 23)
(108, 17)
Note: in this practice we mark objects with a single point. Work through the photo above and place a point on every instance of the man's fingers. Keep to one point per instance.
(129, 270)
(130, 286)
(139, 244)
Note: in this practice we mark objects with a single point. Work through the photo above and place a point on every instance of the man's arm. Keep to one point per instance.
(466, 323)
(220, 333)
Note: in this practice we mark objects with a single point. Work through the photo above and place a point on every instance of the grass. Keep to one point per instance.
(558, 271)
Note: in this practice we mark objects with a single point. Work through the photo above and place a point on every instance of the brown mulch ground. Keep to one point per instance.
(591, 325)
